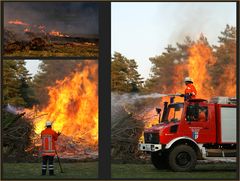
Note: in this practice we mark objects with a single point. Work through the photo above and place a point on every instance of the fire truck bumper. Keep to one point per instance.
(150, 147)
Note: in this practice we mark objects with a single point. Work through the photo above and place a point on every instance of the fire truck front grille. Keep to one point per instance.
(151, 138)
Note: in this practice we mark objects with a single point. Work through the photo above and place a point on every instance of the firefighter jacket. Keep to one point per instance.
(191, 90)
(48, 137)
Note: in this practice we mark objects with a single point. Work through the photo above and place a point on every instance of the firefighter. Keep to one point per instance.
(190, 91)
(48, 136)
(201, 116)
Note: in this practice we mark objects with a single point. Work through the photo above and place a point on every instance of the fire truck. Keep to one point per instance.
(188, 131)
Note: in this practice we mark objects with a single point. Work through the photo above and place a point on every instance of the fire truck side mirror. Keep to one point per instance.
(158, 110)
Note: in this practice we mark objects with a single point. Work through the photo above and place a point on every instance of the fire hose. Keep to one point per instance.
(59, 161)
(173, 95)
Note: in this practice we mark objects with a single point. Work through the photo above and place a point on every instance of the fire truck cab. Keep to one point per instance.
(188, 130)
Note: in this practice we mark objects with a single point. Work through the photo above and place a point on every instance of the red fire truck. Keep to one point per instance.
(189, 130)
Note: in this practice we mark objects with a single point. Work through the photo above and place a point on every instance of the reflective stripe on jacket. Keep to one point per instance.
(49, 137)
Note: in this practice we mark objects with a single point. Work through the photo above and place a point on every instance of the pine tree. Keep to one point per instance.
(161, 79)
(25, 79)
(11, 85)
(134, 78)
(224, 71)
(124, 74)
(17, 88)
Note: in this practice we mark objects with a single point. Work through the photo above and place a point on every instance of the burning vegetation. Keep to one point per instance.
(212, 68)
(17, 22)
(57, 33)
(72, 106)
(130, 114)
(36, 28)
(19, 37)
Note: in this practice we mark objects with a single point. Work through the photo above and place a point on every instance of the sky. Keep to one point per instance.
(32, 66)
(142, 30)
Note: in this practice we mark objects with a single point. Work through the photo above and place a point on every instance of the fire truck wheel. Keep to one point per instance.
(159, 160)
(182, 158)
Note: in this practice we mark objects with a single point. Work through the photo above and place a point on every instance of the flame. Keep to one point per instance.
(197, 66)
(73, 106)
(39, 28)
(229, 86)
(57, 33)
(27, 30)
(200, 59)
(228, 77)
(178, 75)
(18, 22)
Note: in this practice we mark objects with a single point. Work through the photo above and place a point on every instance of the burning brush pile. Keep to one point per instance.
(16, 133)
(130, 114)
(73, 109)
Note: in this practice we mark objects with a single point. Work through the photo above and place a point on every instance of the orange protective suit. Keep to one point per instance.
(49, 137)
(190, 89)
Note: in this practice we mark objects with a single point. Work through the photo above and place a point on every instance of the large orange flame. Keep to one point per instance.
(73, 106)
(197, 66)
(200, 59)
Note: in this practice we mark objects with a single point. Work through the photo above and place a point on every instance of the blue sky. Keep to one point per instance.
(143, 30)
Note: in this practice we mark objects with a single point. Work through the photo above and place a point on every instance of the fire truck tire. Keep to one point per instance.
(159, 160)
(182, 158)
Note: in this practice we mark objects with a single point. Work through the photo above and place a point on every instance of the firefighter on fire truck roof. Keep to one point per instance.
(190, 91)
(48, 136)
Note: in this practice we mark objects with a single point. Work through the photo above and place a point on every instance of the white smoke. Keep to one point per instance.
(131, 98)
(11, 109)
(120, 103)
(153, 95)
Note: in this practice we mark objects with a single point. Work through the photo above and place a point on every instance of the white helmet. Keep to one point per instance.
(48, 123)
(188, 79)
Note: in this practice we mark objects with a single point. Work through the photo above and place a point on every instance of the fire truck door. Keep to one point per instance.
(199, 124)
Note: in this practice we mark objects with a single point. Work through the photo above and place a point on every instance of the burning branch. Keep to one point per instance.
(57, 33)
(18, 22)
(40, 28)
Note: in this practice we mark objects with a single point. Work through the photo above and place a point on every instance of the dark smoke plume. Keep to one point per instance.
(74, 18)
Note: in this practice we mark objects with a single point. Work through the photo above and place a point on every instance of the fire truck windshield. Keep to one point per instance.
(173, 113)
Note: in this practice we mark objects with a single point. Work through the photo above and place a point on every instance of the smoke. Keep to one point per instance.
(191, 27)
(11, 109)
(131, 98)
(153, 95)
(128, 103)
(193, 19)
(74, 18)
